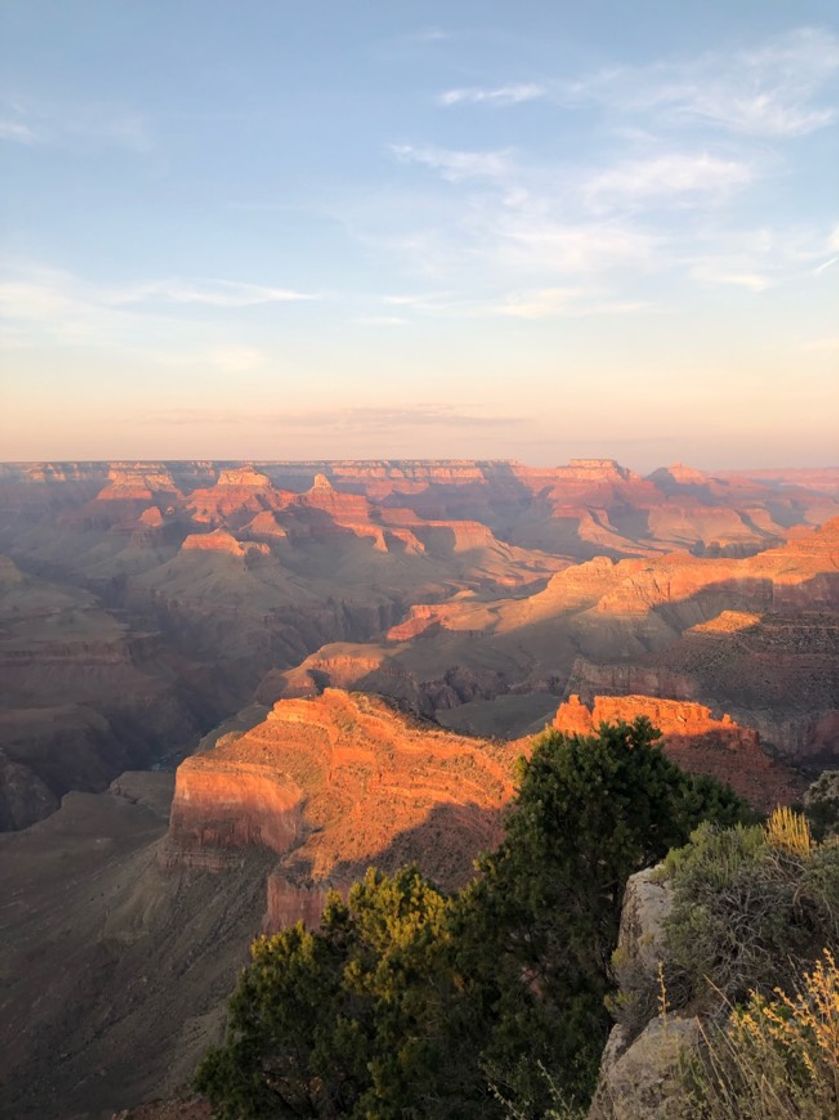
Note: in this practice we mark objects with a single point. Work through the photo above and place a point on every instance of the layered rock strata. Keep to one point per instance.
(337, 782)
(332, 785)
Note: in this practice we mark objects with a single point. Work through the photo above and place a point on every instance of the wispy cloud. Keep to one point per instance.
(419, 301)
(551, 303)
(75, 125)
(226, 359)
(381, 320)
(428, 35)
(533, 240)
(213, 293)
(17, 131)
(513, 94)
(548, 223)
(782, 88)
(674, 175)
(751, 281)
(39, 301)
(757, 260)
(455, 165)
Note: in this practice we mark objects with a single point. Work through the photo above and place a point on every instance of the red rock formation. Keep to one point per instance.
(217, 541)
(137, 482)
(422, 618)
(265, 527)
(333, 784)
(696, 740)
(151, 518)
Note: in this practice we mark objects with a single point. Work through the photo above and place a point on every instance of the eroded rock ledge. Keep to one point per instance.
(697, 740)
(333, 784)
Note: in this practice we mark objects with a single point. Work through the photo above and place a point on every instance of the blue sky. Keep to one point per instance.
(391, 229)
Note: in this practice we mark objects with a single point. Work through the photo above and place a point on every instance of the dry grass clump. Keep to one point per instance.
(788, 831)
(774, 1059)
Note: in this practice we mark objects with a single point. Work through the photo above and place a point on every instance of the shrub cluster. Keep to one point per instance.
(752, 907)
(821, 804)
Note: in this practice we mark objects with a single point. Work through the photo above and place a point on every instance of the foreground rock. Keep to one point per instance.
(639, 1071)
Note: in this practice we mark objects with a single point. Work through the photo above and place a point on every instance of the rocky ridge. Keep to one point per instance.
(757, 637)
(332, 785)
(336, 782)
(639, 1073)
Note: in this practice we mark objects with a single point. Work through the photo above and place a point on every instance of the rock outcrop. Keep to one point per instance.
(331, 785)
(643, 1081)
(641, 1064)
(697, 741)
(217, 541)
(24, 797)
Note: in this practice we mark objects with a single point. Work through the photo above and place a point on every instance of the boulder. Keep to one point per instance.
(642, 1081)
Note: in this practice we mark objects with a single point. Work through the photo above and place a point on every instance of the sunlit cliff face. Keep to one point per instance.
(341, 781)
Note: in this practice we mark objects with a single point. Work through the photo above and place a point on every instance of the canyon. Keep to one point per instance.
(129, 912)
(228, 688)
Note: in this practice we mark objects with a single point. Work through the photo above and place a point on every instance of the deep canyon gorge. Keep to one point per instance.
(229, 687)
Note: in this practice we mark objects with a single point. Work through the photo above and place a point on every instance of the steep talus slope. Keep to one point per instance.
(114, 973)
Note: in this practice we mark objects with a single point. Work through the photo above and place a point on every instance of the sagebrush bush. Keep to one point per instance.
(558, 1107)
(752, 906)
(776, 1058)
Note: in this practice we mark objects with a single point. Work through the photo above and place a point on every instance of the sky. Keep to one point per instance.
(263, 229)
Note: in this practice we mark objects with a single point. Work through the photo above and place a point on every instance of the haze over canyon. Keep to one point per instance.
(230, 686)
